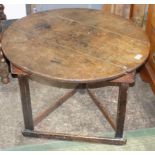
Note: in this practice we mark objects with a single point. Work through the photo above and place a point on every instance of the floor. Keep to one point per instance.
(78, 115)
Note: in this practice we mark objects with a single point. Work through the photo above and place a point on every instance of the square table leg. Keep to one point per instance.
(26, 101)
(29, 131)
(121, 109)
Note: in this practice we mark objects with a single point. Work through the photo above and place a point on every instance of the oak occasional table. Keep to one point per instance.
(79, 46)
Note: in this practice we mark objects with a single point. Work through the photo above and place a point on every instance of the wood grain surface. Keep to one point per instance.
(75, 45)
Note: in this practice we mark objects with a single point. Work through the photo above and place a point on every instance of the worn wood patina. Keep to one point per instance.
(80, 46)
(75, 45)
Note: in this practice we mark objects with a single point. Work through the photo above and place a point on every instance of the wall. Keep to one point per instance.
(14, 11)
(43, 7)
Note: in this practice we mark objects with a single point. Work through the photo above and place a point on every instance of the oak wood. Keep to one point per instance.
(148, 75)
(135, 12)
(138, 13)
(75, 45)
(148, 71)
(121, 109)
(26, 101)
(118, 9)
(49, 135)
(107, 8)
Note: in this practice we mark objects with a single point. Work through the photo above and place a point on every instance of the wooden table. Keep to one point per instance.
(79, 46)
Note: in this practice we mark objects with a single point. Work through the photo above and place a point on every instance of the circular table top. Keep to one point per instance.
(75, 45)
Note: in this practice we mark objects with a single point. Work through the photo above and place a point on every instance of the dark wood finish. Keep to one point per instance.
(15, 70)
(4, 73)
(27, 113)
(26, 101)
(2, 15)
(135, 12)
(148, 75)
(28, 120)
(76, 46)
(122, 100)
(138, 13)
(148, 70)
(118, 127)
(48, 135)
(79, 46)
(128, 78)
(118, 9)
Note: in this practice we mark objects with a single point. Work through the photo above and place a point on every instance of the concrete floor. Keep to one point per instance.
(78, 115)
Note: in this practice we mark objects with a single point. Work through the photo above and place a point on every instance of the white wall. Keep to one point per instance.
(14, 11)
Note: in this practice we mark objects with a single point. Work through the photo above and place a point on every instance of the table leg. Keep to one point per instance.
(26, 101)
(121, 109)
(29, 123)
